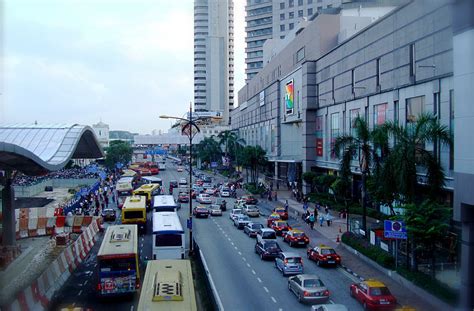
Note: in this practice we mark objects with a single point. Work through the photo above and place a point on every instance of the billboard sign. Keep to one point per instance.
(395, 229)
(289, 97)
(319, 147)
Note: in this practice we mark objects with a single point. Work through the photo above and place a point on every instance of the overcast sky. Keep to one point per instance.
(124, 62)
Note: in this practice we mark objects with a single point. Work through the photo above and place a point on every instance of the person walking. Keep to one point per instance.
(286, 204)
(321, 220)
(312, 219)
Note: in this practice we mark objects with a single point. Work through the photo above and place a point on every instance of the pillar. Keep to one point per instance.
(8, 212)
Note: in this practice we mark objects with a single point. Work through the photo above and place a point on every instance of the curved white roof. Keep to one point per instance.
(36, 149)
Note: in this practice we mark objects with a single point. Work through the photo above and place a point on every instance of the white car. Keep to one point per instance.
(329, 307)
(216, 210)
(207, 185)
(251, 210)
(183, 182)
(204, 198)
(239, 203)
(235, 213)
(225, 192)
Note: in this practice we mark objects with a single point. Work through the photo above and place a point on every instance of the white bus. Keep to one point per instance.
(162, 165)
(168, 236)
(165, 203)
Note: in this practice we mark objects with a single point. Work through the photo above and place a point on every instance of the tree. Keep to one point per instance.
(253, 158)
(231, 143)
(119, 151)
(426, 224)
(208, 149)
(308, 178)
(409, 153)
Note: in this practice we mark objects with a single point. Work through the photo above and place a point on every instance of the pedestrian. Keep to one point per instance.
(275, 196)
(328, 219)
(311, 221)
(286, 204)
(305, 206)
(107, 201)
(326, 209)
(321, 220)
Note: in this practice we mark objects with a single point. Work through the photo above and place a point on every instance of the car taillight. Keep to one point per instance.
(306, 294)
(99, 287)
(286, 261)
(137, 285)
(326, 293)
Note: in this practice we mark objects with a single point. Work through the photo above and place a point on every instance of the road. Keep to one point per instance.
(243, 281)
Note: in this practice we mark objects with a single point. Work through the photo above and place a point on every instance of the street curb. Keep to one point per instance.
(436, 303)
(211, 282)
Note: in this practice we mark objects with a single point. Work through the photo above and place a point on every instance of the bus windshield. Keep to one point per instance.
(168, 240)
(133, 214)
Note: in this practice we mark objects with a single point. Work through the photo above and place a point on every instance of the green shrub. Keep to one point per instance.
(373, 252)
(253, 189)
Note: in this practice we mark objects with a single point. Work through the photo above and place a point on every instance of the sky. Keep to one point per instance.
(122, 62)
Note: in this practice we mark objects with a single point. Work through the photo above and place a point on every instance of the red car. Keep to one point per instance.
(323, 254)
(280, 227)
(183, 197)
(296, 237)
(249, 199)
(273, 217)
(373, 295)
(282, 212)
(200, 211)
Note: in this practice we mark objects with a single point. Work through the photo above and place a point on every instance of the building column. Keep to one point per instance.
(8, 212)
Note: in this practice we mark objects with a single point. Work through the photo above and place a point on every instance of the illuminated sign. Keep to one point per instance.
(289, 97)
(319, 147)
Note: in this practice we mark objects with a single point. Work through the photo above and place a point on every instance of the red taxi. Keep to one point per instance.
(296, 237)
(282, 212)
(249, 199)
(324, 255)
(272, 218)
(373, 295)
(183, 197)
(280, 227)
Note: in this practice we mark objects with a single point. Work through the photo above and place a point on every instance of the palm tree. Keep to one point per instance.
(254, 157)
(409, 153)
(229, 140)
(208, 149)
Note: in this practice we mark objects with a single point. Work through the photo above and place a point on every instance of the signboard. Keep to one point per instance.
(213, 164)
(384, 246)
(319, 147)
(262, 98)
(395, 229)
(189, 223)
(289, 97)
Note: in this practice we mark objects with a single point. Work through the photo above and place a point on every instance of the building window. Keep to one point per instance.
(451, 128)
(291, 3)
(378, 73)
(300, 13)
(282, 5)
(282, 37)
(412, 60)
(291, 15)
(282, 27)
(300, 2)
(291, 25)
(415, 107)
(396, 113)
(353, 114)
(334, 131)
(282, 16)
(380, 114)
(310, 1)
(300, 55)
(310, 12)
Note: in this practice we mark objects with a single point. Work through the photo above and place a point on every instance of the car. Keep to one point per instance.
(251, 229)
(289, 263)
(296, 237)
(222, 203)
(308, 288)
(199, 182)
(210, 191)
(266, 234)
(197, 188)
(204, 198)
(373, 295)
(235, 212)
(179, 169)
(207, 185)
(280, 227)
(241, 220)
(329, 307)
(174, 183)
(251, 210)
(108, 214)
(239, 203)
(282, 212)
(249, 199)
(225, 192)
(207, 179)
(267, 249)
(183, 197)
(183, 182)
(324, 255)
(201, 211)
(215, 210)
(272, 218)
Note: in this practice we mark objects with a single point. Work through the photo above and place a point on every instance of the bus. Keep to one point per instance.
(124, 186)
(168, 236)
(117, 261)
(152, 180)
(168, 285)
(134, 211)
(148, 191)
(129, 173)
(162, 165)
(165, 203)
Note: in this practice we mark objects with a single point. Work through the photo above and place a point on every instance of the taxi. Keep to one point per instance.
(282, 212)
(373, 295)
(272, 218)
(296, 237)
(280, 227)
(324, 255)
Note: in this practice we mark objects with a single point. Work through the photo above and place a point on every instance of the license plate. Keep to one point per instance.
(331, 261)
(300, 242)
(384, 302)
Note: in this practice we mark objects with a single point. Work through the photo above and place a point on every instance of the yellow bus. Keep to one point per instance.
(148, 191)
(168, 285)
(129, 173)
(134, 211)
(117, 261)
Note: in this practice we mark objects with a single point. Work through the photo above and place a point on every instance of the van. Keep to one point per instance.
(266, 234)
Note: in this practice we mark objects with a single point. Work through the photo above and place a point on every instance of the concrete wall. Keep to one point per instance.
(30, 191)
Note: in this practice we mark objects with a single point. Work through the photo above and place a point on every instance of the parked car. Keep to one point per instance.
(222, 203)
(204, 198)
(280, 227)
(249, 199)
(251, 210)
(373, 295)
(289, 263)
(183, 197)
(215, 210)
(296, 237)
(282, 212)
(308, 288)
(324, 255)
(234, 213)
(329, 307)
(272, 218)
(240, 221)
(267, 249)
(108, 214)
(251, 229)
(201, 211)
(225, 192)
(266, 234)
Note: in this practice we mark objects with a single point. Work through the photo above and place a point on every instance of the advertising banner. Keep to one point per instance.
(289, 97)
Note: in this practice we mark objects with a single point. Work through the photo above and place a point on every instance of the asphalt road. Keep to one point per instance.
(243, 281)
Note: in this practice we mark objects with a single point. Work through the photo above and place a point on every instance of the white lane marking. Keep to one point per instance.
(330, 300)
(232, 243)
(235, 247)
(86, 282)
(248, 265)
(131, 308)
(266, 289)
(259, 280)
(348, 275)
(243, 258)
(95, 265)
(274, 300)
(80, 292)
(280, 309)
(228, 239)
(253, 271)
(240, 253)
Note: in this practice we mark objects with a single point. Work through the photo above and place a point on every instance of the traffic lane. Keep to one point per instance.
(235, 281)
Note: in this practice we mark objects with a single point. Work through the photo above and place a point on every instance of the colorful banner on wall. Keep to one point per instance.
(289, 97)
(319, 147)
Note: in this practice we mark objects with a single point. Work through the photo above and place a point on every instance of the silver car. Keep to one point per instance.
(251, 210)
(241, 221)
(234, 213)
(308, 288)
(215, 210)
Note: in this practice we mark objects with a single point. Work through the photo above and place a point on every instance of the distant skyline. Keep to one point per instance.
(124, 62)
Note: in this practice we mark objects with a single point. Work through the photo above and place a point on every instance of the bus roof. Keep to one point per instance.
(129, 173)
(135, 201)
(152, 179)
(147, 187)
(164, 200)
(166, 273)
(119, 239)
(166, 222)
